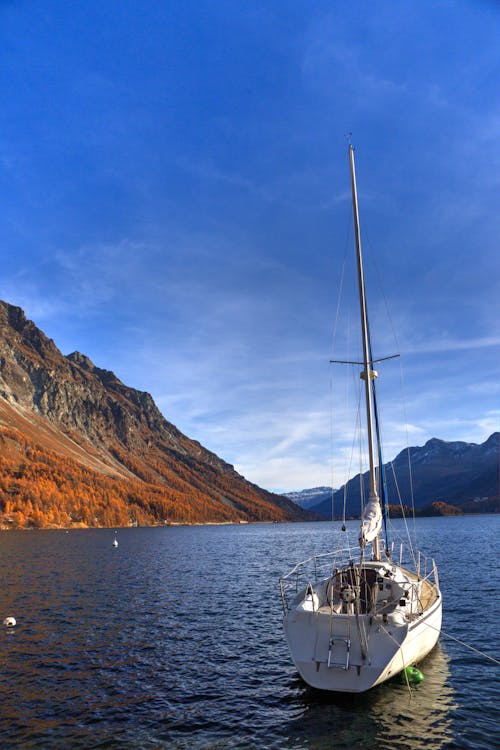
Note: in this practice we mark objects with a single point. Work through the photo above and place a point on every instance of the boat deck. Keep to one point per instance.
(428, 592)
(423, 600)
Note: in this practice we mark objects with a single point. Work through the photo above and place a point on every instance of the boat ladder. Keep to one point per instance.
(331, 646)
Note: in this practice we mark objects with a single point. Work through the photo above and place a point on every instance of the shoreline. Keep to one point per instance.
(84, 527)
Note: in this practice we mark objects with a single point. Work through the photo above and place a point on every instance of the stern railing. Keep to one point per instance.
(307, 573)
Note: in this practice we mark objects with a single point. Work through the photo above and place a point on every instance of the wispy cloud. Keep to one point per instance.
(452, 345)
(333, 54)
(299, 190)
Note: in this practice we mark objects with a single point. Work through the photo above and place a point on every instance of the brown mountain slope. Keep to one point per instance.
(78, 446)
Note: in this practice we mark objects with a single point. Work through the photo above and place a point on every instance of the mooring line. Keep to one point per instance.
(467, 645)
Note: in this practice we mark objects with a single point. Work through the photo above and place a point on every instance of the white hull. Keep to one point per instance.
(349, 652)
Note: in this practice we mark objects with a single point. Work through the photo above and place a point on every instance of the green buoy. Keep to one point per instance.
(412, 675)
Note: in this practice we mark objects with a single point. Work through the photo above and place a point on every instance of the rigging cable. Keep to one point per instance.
(467, 645)
(410, 543)
(381, 467)
(410, 471)
(400, 647)
(334, 335)
(383, 482)
(372, 258)
(355, 434)
(332, 484)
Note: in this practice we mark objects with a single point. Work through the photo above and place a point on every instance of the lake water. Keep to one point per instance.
(174, 640)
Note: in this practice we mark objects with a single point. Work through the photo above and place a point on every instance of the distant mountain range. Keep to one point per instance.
(310, 498)
(80, 448)
(445, 476)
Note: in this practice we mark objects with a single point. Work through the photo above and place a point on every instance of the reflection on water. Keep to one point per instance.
(426, 712)
(389, 716)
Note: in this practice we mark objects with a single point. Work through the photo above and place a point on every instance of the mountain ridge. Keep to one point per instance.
(456, 473)
(65, 408)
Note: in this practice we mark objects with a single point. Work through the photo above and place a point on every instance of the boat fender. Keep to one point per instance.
(412, 675)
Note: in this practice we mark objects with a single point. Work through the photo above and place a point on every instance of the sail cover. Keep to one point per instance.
(371, 521)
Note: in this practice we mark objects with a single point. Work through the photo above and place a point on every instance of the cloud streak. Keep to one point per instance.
(177, 207)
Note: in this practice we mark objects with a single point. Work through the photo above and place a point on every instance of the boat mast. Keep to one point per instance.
(368, 374)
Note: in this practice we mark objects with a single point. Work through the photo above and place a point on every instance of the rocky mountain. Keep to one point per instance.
(78, 446)
(458, 474)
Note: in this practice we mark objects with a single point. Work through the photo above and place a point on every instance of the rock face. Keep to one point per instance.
(70, 408)
(71, 391)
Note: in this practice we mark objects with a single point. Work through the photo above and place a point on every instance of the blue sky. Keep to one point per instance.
(175, 205)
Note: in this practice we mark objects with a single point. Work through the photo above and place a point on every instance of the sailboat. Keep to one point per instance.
(354, 618)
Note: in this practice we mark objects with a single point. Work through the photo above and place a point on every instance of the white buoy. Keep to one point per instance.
(10, 622)
(115, 543)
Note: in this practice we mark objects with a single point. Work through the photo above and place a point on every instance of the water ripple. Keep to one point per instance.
(174, 640)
